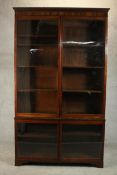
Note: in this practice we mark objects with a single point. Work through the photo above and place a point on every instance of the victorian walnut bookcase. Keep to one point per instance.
(60, 85)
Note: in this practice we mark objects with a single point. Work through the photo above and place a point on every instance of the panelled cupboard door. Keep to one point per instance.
(83, 58)
(37, 65)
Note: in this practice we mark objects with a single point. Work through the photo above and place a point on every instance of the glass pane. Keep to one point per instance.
(37, 78)
(83, 66)
(37, 42)
(82, 80)
(41, 101)
(82, 133)
(83, 43)
(37, 140)
(37, 66)
(86, 57)
(81, 141)
(82, 150)
(81, 103)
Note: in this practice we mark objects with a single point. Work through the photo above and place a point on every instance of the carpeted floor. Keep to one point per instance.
(7, 164)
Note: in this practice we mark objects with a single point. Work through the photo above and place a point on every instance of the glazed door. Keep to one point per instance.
(37, 66)
(81, 140)
(82, 66)
(37, 140)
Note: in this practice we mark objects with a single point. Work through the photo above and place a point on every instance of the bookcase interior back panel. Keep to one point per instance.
(81, 103)
(38, 102)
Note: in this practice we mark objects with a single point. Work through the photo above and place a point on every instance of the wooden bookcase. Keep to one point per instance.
(60, 85)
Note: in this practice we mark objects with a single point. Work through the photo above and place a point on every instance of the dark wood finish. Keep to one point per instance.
(96, 13)
(60, 69)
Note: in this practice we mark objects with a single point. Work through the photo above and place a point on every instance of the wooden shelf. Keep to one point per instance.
(70, 143)
(68, 116)
(82, 67)
(83, 117)
(31, 45)
(81, 134)
(36, 36)
(36, 143)
(81, 91)
(51, 116)
(38, 66)
(36, 135)
(35, 90)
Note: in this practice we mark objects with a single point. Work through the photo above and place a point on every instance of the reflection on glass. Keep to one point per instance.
(83, 38)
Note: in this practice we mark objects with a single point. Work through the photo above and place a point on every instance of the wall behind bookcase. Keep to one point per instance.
(7, 61)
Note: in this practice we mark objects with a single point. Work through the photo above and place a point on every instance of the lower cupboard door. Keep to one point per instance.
(81, 150)
(36, 141)
(81, 142)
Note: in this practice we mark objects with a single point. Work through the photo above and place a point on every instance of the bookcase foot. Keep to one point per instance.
(18, 163)
(100, 164)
